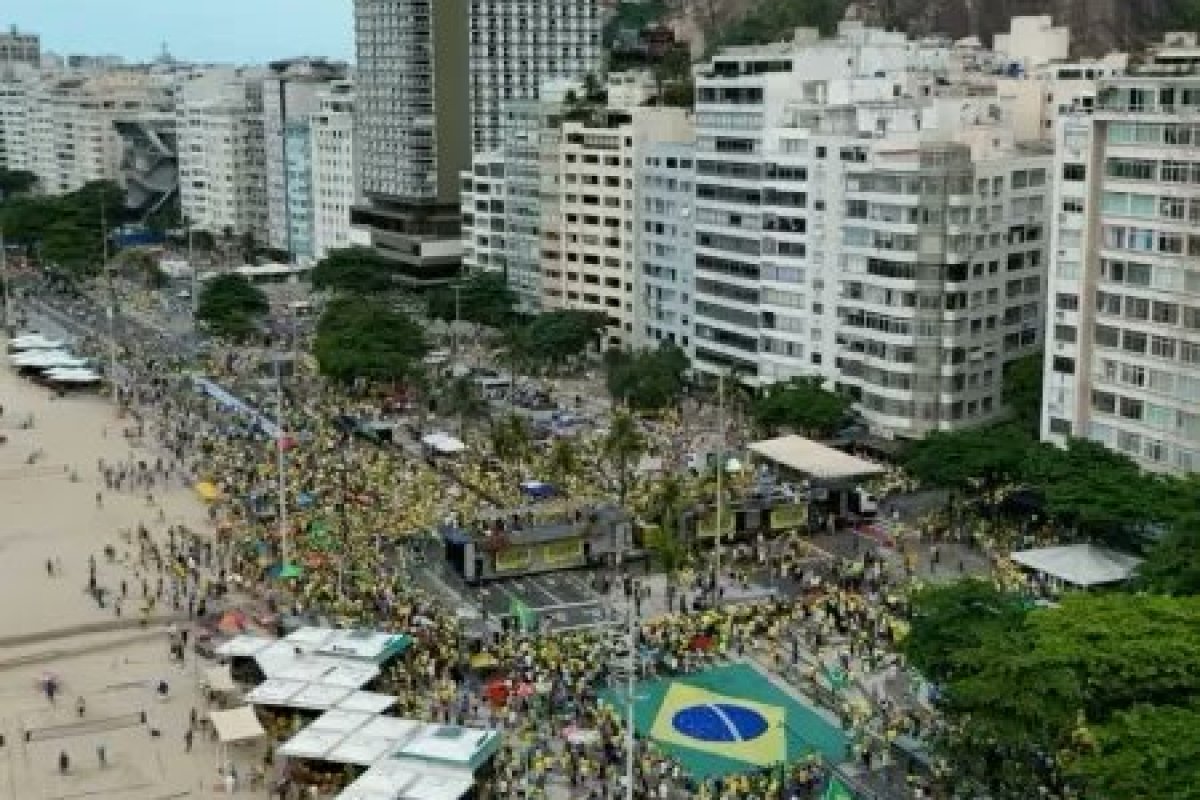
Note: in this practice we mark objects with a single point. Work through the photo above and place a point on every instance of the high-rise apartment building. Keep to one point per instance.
(431, 80)
(222, 152)
(20, 48)
(1123, 332)
(588, 224)
(291, 95)
(15, 104)
(333, 168)
(865, 215)
(665, 246)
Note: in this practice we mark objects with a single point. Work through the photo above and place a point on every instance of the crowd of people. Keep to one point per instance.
(354, 515)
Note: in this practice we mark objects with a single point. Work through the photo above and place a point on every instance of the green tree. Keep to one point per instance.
(483, 298)
(1029, 704)
(562, 335)
(1172, 565)
(991, 456)
(772, 20)
(462, 399)
(231, 306)
(802, 405)
(955, 618)
(562, 462)
(1146, 753)
(367, 338)
(67, 230)
(623, 445)
(647, 381)
(16, 181)
(1023, 391)
(511, 439)
(664, 509)
(354, 270)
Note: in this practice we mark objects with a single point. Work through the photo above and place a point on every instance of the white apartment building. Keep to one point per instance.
(222, 154)
(333, 174)
(517, 45)
(291, 95)
(665, 246)
(1123, 333)
(432, 78)
(17, 48)
(588, 227)
(72, 132)
(15, 104)
(502, 194)
(864, 214)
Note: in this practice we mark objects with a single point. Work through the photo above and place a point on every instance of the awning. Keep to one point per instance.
(1080, 564)
(219, 679)
(236, 725)
(443, 443)
(814, 459)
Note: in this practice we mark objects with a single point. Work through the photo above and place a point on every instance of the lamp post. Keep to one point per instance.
(7, 285)
(112, 305)
(720, 485)
(281, 439)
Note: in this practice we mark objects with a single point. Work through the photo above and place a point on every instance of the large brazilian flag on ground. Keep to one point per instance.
(730, 719)
(836, 790)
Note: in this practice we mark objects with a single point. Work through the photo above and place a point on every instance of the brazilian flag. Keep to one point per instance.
(526, 617)
(836, 790)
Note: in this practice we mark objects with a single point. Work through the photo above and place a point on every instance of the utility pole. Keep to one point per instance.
(281, 434)
(457, 319)
(8, 321)
(191, 251)
(630, 684)
(112, 306)
(720, 485)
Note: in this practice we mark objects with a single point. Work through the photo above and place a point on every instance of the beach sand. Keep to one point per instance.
(44, 514)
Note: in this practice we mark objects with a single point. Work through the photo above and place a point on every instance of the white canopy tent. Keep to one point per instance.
(443, 443)
(369, 702)
(814, 459)
(393, 779)
(1080, 565)
(244, 645)
(220, 679)
(236, 725)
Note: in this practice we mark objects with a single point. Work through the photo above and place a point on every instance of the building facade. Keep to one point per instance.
(15, 110)
(1123, 336)
(291, 95)
(665, 246)
(588, 230)
(20, 48)
(222, 153)
(333, 168)
(298, 199)
(865, 215)
(432, 79)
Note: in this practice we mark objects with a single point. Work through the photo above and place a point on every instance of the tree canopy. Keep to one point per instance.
(623, 445)
(1023, 391)
(365, 337)
(650, 380)
(1066, 695)
(65, 230)
(1172, 565)
(772, 20)
(556, 336)
(231, 306)
(484, 298)
(16, 181)
(354, 270)
(801, 405)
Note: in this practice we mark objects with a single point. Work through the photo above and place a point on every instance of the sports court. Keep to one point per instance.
(560, 600)
(730, 719)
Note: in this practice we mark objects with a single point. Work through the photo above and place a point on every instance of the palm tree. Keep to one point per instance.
(562, 462)
(462, 398)
(622, 446)
(510, 439)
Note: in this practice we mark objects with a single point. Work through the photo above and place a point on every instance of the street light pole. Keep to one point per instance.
(281, 434)
(7, 284)
(112, 305)
(720, 485)
(630, 684)
(457, 320)
(191, 250)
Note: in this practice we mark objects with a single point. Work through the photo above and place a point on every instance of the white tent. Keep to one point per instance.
(443, 443)
(236, 725)
(1079, 564)
(220, 679)
(814, 459)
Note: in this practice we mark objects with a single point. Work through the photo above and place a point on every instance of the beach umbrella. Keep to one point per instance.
(232, 622)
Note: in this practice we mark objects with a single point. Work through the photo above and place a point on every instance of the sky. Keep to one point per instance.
(238, 31)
